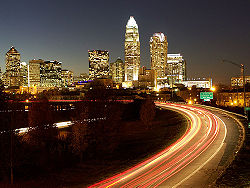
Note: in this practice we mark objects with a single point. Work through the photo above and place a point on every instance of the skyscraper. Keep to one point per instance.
(23, 74)
(1, 75)
(34, 72)
(117, 71)
(67, 78)
(176, 68)
(50, 73)
(132, 50)
(12, 67)
(147, 78)
(98, 64)
(158, 53)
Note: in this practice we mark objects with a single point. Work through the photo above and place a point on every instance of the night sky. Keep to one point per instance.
(202, 31)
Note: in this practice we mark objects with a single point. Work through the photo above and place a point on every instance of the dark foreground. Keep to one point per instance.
(238, 173)
(136, 144)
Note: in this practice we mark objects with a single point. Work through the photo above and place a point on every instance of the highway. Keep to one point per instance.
(194, 160)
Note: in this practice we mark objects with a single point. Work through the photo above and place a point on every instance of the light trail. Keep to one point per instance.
(59, 125)
(169, 162)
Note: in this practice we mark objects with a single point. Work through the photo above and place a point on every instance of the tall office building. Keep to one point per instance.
(13, 67)
(237, 82)
(98, 64)
(23, 74)
(176, 69)
(1, 74)
(81, 78)
(158, 53)
(50, 74)
(147, 78)
(34, 72)
(132, 50)
(117, 71)
(67, 78)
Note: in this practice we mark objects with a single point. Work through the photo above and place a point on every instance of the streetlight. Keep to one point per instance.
(213, 88)
(241, 66)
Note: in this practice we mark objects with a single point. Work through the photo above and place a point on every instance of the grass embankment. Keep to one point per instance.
(238, 173)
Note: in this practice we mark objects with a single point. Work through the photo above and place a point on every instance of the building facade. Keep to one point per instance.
(50, 74)
(233, 98)
(34, 72)
(81, 78)
(132, 50)
(117, 71)
(237, 82)
(158, 53)
(198, 83)
(12, 62)
(67, 78)
(1, 74)
(147, 78)
(24, 74)
(98, 64)
(176, 69)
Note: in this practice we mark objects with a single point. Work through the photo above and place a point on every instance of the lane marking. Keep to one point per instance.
(222, 143)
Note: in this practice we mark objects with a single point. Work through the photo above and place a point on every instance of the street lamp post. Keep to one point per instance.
(244, 87)
(241, 66)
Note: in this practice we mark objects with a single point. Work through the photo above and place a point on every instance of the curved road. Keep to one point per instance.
(194, 160)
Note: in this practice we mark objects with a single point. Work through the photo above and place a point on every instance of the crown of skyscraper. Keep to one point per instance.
(131, 22)
(12, 50)
(161, 36)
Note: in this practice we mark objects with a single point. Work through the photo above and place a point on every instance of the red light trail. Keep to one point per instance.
(203, 129)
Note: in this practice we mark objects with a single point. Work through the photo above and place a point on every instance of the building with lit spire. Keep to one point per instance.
(132, 50)
(12, 62)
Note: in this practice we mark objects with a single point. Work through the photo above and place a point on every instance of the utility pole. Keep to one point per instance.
(11, 142)
(172, 72)
(244, 88)
(241, 66)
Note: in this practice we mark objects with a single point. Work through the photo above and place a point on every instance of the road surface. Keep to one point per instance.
(194, 160)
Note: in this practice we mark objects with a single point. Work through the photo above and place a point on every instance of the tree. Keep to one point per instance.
(80, 133)
(100, 90)
(42, 131)
(107, 131)
(79, 140)
(3, 97)
(147, 112)
(10, 116)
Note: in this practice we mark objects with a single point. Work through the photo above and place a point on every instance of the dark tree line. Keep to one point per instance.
(43, 149)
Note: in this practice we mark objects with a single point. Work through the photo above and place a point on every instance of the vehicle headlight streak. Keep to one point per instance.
(160, 167)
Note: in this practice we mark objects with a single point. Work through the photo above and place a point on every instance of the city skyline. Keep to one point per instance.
(203, 33)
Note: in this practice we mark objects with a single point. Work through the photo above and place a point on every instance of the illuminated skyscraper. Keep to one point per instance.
(67, 78)
(23, 74)
(34, 73)
(50, 73)
(13, 67)
(147, 78)
(117, 71)
(1, 75)
(158, 53)
(132, 50)
(176, 68)
(98, 64)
